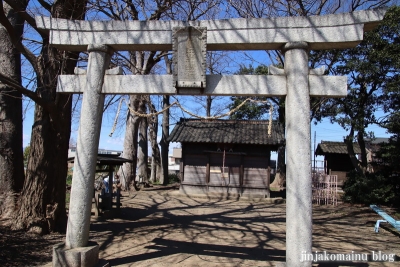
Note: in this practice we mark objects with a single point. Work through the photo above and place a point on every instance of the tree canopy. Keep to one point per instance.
(372, 69)
(250, 110)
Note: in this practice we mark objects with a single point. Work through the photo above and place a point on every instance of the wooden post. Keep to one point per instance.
(182, 166)
(268, 180)
(118, 192)
(208, 169)
(241, 174)
(110, 187)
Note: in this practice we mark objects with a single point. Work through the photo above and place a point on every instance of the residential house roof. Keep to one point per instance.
(253, 132)
(377, 140)
(327, 147)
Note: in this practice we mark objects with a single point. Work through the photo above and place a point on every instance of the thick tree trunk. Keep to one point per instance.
(208, 106)
(128, 171)
(141, 65)
(143, 150)
(363, 98)
(361, 143)
(11, 153)
(280, 176)
(164, 144)
(42, 203)
(43, 197)
(132, 126)
(156, 167)
(349, 140)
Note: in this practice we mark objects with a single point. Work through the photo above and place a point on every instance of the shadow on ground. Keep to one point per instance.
(18, 248)
(158, 227)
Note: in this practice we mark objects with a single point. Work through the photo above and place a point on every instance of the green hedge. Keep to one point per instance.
(371, 188)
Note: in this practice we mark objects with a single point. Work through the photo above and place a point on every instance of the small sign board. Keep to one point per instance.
(189, 47)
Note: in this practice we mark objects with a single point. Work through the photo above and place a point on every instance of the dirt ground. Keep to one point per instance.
(159, 227)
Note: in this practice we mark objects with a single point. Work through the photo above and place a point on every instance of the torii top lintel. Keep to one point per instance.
(320, 32)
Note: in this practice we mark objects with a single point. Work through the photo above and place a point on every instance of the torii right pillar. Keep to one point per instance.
(298, 154)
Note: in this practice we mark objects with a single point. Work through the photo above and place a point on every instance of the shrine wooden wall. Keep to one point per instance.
(225, 168)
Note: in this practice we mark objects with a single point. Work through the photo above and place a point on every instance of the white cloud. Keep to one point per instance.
(116, 143)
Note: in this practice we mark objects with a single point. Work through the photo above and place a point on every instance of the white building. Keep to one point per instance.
(72, 151)
(174, 160)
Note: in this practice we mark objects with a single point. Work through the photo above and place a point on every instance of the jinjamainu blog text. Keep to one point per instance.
(324, 256)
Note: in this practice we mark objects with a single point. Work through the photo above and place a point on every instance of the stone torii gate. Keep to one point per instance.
(295, 36)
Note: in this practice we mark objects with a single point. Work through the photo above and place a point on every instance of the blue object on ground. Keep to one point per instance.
(387, 218)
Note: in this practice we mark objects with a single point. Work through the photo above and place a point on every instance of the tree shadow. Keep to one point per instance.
(19, 248)
(163, 247)
(248, 231)
(141, 217)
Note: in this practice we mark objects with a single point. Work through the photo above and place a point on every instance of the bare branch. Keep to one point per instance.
(21, 9)
(32, 95)
(160, 10)
(132, 9)
(46, 5)
(114, 15)
(17, 40)
(112, 100)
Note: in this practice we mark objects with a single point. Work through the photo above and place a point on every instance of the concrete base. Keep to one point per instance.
(77, 257)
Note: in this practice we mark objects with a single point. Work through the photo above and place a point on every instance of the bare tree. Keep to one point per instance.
(143, 63)
(42, 201)
(137, 63)
(164, 143)
(218, 63)
(11, 154)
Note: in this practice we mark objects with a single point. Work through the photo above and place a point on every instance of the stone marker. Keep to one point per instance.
(189, 47)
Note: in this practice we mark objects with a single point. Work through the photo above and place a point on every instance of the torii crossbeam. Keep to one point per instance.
(295, 36)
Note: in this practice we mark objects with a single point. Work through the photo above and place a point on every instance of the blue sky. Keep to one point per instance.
(323, 131)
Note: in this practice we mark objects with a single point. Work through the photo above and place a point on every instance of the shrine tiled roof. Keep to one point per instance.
(327, 147)
(227, 131)
(105, 159)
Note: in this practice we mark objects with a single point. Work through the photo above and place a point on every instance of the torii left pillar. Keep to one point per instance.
(77, 250)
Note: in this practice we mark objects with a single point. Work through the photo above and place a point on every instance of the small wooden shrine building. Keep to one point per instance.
(106, 163)
(226, 156)
(337, 160)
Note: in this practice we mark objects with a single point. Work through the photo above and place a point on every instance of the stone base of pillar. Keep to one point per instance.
(76, 257)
